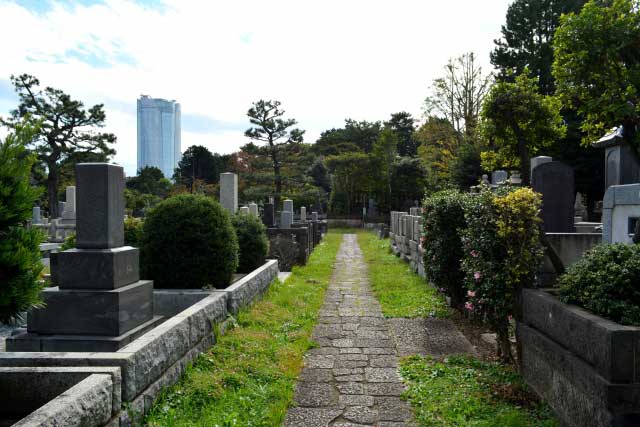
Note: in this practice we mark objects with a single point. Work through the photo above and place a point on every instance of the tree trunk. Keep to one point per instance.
(52, 189)
(278, 185)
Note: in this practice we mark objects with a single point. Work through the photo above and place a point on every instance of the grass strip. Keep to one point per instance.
(400, 291)
(463, 391)
(247, 378)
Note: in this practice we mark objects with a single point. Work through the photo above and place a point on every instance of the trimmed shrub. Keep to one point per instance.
(502, 251)
(252, 241)
(133, 232)
(442, 224)
(69, 242)
(189, 242)
(606, 282)
(20, 265)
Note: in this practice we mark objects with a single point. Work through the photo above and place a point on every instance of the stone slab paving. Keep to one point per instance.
(429, 337)
(351, 379)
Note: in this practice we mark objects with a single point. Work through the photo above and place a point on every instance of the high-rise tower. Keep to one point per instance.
(158, 134)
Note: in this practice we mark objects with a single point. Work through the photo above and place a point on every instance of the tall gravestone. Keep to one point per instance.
(287, 205)
(268, 215)
(314, 216)
(303, 214)
(229, 192)
(100, 303)
(554, 180)
(537, 161)
(286, 219)
(69, 213)
(35, 215)
(253, 209)
(622, 165)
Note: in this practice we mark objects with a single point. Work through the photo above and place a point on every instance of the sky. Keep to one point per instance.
(324, 60)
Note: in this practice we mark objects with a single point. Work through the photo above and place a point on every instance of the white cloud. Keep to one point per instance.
(325, 61)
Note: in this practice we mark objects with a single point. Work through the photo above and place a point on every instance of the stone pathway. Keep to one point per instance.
(352, 378)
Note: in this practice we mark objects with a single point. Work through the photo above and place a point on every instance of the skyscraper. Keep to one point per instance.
(158, 134)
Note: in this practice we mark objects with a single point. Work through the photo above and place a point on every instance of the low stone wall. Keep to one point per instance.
(405, 232)
(344, 223)
(159, 357)
(570, 247)
(584, 366)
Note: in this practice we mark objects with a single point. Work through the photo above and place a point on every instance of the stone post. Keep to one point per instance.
(229, 191)
(303, 214)
(287, 205)
(314, 216)
(35, 215)
(286, 219)
(244, 210)
(253, 209)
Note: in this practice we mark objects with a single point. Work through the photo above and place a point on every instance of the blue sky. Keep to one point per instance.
(325, 61)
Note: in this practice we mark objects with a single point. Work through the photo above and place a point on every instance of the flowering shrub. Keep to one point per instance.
(501, 251)
(442, 225)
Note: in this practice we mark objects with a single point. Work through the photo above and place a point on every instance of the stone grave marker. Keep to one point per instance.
(287, 205)
(499, 177)
(229, 191)
(35, 215)
(286, 219)
(537, 161)
(69, 213)
(100, 303)
(253, 209)
(244, 210)
(303, 214)
(314, 216)
(554, 180)
(268, 215)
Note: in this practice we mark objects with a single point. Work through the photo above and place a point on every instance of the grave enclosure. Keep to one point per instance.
(106, 343)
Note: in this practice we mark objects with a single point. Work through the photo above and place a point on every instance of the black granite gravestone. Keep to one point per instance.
(554, 180)
(268, 215)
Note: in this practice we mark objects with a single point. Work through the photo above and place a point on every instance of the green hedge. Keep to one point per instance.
(442, 224)
(189, 242)
(606, 282)
(252, 241)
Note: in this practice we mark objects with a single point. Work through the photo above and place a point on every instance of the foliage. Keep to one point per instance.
(403, 125)
(466, 169)
(526, 42)
(248, 377)
(150, 180)
(138, 203)
(351, 180)
(597, 68)
(501, 251)
(439, 144)
(320, 175)
(133, 232)
(496, 160)
(269, 127)
(252, 241)
(20, 265)
(407, 183)
(400, 291)
(69, 242)
(65, 128)
(458, 96)
(355, 136)
(443, 221)
(189, 242)
(383, 158)
(199, 164)
(520, 121)
(605, 282)
(461, 391)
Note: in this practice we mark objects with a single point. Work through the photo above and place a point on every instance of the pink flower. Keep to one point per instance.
(474, 253)
(510, 318)
(477, 275)
(471, 294)
(468, 305)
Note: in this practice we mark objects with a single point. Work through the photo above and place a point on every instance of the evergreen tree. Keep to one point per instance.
(20, 265)
(403, 125)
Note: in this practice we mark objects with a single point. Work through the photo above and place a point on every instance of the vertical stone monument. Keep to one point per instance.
(314, 216)
(229, 192)
(286, 219)
(268, 215)
(499, 177)
(554, 180)
(100, 303)
(537, 161)
(35, 215)
(68, 215)
(620, 212)
(622, 165)
(253, 209)
(244, 210)
(287, 205)
(303, 214)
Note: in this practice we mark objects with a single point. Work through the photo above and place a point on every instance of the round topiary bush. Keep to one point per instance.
(605, 282)
(252, 240)
(133, 231)
(188, 242)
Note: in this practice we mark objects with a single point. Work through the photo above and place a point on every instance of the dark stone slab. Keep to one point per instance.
(93, 312)
(79, 343)
(578, 395)
(554, 180)
(100, 206)
(612, 349)
(97, 268)
(268, 215)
